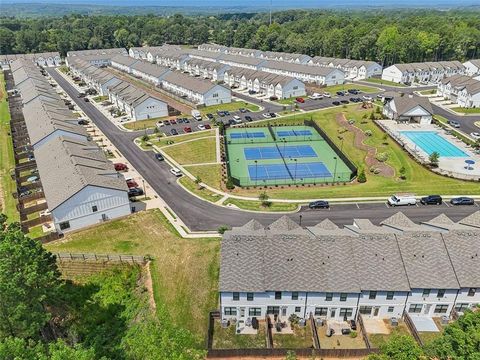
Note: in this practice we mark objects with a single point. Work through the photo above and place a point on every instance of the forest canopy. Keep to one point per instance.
(384, 36)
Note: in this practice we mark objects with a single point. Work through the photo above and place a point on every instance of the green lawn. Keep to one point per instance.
(344, 87)
(429, 92)
(416, 175)
(466, 110)
(376, 340)
(257, 205)
(209, 174)
(339, 341)
(233, 106)
(300, 339)
(228, 339)
(203, 192)
(197, 151)
(145, 124)
(383, 82)
(184, 271)
(100, 98)
(7, 160)
(165, 140)
(290, 100)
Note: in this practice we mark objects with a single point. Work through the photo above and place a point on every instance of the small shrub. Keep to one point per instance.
(368, 132)
(230, 185)
(222, 229)
(382, 157)
(362, 178)
(145, 137)
(353, 334)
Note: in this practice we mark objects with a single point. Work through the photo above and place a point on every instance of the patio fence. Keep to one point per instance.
(364, 331)
(316, 341)
(412, 328)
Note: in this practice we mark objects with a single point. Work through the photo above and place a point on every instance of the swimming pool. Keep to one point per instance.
(430, 141)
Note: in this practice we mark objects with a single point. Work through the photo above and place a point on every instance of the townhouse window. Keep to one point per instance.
(346, 312)
(415, 308)
(471, 292)
(372, 295)
(390, 295)
(328, 296)
(255, 312)
(94, 208)
(298, 309)
(426, 293)
(461, 307)
(273, 310)
(278, 295)
(390, 309)
(230, 311)
(365, 310)
(249, 296)
(294, 295)
(236, 296)
(321, 311)
(440, 309)
(343, 297)
(441, 293)
(64, 225)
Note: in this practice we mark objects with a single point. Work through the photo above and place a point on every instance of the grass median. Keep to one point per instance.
(232, 106)
(253, 205)
(462, 110)
(196, 151)
(383, 82)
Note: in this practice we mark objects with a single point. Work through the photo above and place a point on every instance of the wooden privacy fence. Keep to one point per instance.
(412, 328)
(363, 331)
(337, 353)
(113, 258)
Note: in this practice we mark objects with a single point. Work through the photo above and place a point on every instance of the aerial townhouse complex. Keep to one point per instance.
(423, 73)
(97, 57)
(472, 67)
(461, 89)
(42, 59)
(426, 270)
(93, 76)
(80, 186)
(354, 69)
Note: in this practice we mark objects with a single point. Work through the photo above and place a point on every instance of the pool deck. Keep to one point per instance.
(452, 166)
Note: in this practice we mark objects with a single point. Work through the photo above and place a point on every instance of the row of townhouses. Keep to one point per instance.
(80, 185)
(461, 89)
(472, 67)
(428, 269)
(97, 57)
(42, 59)
(422, 73)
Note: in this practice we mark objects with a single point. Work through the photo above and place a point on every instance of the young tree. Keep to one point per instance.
(433, 158)
(402, 172)
(29, 279)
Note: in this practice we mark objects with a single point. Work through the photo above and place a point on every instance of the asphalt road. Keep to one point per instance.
(201, 215)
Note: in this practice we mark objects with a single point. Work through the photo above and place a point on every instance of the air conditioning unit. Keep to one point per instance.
(444, 320)
(393, 321)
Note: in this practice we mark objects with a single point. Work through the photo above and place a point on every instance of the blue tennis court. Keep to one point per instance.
(287, 133)
(247, 135)
(291, 171)
(273, 152)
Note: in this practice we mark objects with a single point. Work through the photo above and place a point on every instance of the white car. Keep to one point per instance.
(401, 200)
(266, 115)
(475, 135)
(316, 96)
(327, 95)
(237, 119)
(367, 98)
(176, 172)
(201, 127)
(160, 124)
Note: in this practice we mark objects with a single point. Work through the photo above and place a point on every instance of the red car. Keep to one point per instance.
(173, 121)
(132, 184)
(187, 129)
(300, 100)
(207, 126)
(120, 167)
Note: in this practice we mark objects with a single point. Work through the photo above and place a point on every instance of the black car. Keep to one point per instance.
(174, 132)
(353, 99)
(186, 121)
(344, 101)
(319, 204)
(251, 92)
(210, 116)
(462, 200)
(83, 122)
(86, 100)
(226, 112)
(135, 192)
(81, 95)
(231, 122)
(221, 113)
(431, 200)
(248, 118)
(336, 103)
(340, 93)
(273, 115)
(353, 91)
(243, 110)
(159, 157)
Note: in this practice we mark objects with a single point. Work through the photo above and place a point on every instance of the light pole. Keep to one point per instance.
(295, 178)
(335, 170)
(144, 189)
(300, 216)
(256, 172)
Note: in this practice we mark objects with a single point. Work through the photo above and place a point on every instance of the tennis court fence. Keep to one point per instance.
(339, 177)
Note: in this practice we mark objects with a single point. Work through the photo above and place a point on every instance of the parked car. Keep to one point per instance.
(173, 121)
(174, 132)
(327, 95)
(81, 95)
(201, 127)
(454, 123)
(86, 100)
(475, 135)
(207, 126)
(179, 121)
(341, 93)
(344, 101)
(186, 121)
(367, 98)
(166, 122)
(248, 118)
(243, 110)
(159, 157)
(400, 200)
(315, 96)
(132, 192)
(319, 204)
(300, 100)
(160, 124)
(266, 115)
(252, 92)
(176, 172)
(83, 122)
(132, 184)
(462, 200)
(431, 200)
(231, 122)
(272, 115)
(210, 116)
(187, 129)
(353, 91)
(226, 112)
(336, 103)
(273, 98)
(120, 166)
(221, 113)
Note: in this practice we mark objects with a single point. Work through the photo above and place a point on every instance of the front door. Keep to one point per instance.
(427, 309)
(242, 312)
(375, 310)
(284, 311)
(332, 313)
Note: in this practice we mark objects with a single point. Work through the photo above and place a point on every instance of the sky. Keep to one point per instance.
(262, 3)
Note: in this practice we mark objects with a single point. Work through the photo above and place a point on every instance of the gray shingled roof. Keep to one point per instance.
(405, 103)
(188, 82)
(154, 70)
(299, 68)
(67, 166)
(472, 220)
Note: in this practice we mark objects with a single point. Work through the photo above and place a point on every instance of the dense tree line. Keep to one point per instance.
(105, 316)
(387, 37)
